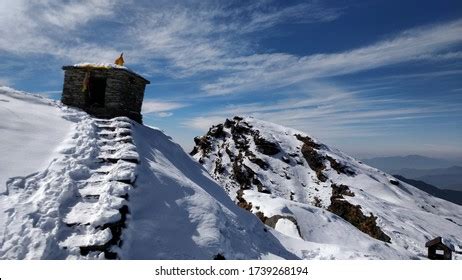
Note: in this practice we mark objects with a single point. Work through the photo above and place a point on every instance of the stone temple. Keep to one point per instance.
(104, 90)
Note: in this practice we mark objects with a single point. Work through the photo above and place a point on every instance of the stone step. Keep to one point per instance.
(123, 171)
(87, 236)
(114, 188)
(93, 213)
(131, 156)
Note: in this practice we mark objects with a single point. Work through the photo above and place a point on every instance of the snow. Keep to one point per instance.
(149, 201)
(122, 171)
(323, 229)
(88, 239)
(103, 66)
(179, 212)
(100, 65)
(287, 227)
(31, 130)
(86, 188)
(96, 213)
(407, 215)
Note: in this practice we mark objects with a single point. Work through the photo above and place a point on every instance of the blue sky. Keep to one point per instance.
(368, 77)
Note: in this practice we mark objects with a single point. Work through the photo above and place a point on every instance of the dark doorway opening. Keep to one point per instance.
(97, 91)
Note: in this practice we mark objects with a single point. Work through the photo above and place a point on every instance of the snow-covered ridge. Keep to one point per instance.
(100, 65)
(284, 176)
(116, 189)
(77, 187)
(25, 133)
(78, 205)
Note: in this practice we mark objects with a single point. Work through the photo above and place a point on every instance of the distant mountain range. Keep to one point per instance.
(445, 178)
(445, 174)
(449, 195)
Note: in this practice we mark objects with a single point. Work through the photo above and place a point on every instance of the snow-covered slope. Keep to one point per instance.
(113, 189)
(336, 206)
(26, 136)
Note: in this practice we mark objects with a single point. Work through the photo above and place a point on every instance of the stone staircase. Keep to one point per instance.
(97, 216)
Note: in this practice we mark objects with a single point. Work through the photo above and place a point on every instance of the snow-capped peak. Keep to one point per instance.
(303, 188)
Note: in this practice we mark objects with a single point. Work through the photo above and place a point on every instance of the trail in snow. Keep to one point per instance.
(74, 208)
(117, 189)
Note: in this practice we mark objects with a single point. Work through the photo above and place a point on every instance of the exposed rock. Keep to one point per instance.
(272, 221)
(261, 163)
(240, 128)
(242, 202)
(202, 144)
(217, 131)
(264, 146)
(312, 157)
(228, 123)
(219, 257)
(339, 167)
(242, 174)
(219, 168)
(317, 202)
(338, 191)
(353, 214)
(394, 182)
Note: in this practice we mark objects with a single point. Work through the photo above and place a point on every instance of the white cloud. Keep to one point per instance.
(180, 39)
(204, 123)
(330, 112)
(164, 114)
(70, 15)
(205, 37)
(5, 82)
(51, 28)
(161, 108)
(189, 38)
(277, 70)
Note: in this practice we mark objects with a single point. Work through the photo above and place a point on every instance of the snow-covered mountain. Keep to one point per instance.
(323, 203)
(75, 187)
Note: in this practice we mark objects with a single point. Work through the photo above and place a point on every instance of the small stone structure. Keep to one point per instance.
(438, 250)
(104, 90)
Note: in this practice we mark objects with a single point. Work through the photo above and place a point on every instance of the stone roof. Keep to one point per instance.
(87, 65)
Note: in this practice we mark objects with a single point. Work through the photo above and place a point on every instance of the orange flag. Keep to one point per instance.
(120, 61)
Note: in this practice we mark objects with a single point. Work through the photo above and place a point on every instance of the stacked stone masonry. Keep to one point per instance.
(123, 94)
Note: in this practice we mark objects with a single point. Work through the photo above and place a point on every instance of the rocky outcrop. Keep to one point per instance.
(353, 214)
(312, 157)
(246, 157)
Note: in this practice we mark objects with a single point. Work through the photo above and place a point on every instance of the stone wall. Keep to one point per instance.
(123, 96)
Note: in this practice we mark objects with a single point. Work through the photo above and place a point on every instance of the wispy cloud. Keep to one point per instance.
(184, 38)
(331, 112)
(277, 70)
(204, 123)
(52, 28)
(161, 108)
(5, 81)
(199, 37)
